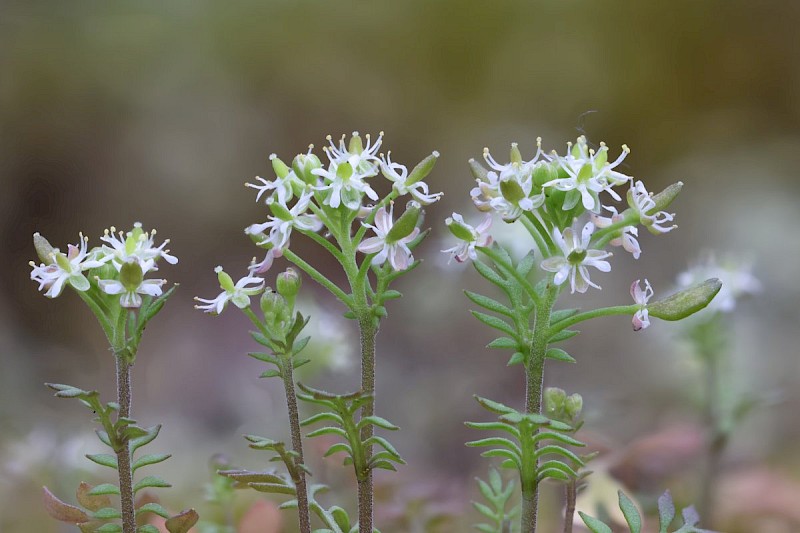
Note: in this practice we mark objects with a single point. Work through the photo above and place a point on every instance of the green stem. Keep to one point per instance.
(287, 373)
(319, 278)
(569, 514)
(368, 331)
(580, 317)
(123, 452)
(539, 234)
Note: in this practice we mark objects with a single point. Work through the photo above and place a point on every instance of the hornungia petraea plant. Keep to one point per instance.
(560, 200)
(110, 279)
(335, 206)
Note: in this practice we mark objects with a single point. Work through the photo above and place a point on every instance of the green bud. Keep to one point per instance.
(516, 157)
(274, 307)
(225, 281)
(459, 230)
(355, 146)
(43, 249)
(512, 191)
(542, 173)
(573, 406)
(554, 399)
(405, 224)
(288, 283)
(131, 275)
(478, 171)
(666, 197)
(303, 164)
(685, 302)
(278, 210)
(422, 169)
(280, 168)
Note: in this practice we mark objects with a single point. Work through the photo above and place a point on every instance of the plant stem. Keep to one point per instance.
(368, 331)
(123, 451)
(297, 445)
(534, 384)
(569, 513)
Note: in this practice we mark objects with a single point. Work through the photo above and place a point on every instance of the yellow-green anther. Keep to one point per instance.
(225, 281)
(43, 248)
(278, 210)
(404, 225)
(685, 302)
(355, 146)
(131, 275)
(478, 171)
(666, 197)
(422, 169)
(516, 157)
(512, 191)
(280, 168)
(459, 230)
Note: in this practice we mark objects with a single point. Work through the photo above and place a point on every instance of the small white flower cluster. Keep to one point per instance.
(308, 196)
(552, 192)
(119, 265)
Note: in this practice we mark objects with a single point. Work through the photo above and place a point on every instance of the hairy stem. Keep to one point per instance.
(297, 446)
(123, 451)
(569, 513)
(368, 331)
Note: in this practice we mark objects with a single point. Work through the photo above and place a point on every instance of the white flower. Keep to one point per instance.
(509, 188)
(283, 220)
(470, 237)
(576, 258)
(627, 235)
(238, 293)
(736, 276)
(398, 175)
(641, 318)
(385, 246)
(281, 186)
(131, 284)
(65, 269)
(345, 186)
(266, 263)
(642, 202)
(363, 160)
(137, 244)
(588, 174)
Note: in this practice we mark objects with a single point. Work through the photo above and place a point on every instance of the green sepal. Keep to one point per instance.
(559, 355)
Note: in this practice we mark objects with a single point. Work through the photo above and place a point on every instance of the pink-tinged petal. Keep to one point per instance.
(383, 221)
(371, 245)
(636, 292)
(381, 257)
(484, 226)
(411, 236)
(110, 286)
(399, 258)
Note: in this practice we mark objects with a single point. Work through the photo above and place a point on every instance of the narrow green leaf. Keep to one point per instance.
(147, 528)
(107, 513)
(332, 417)
(489, 303)
(526, 264)
(339, 447)
(103, 459)
(151, 459)
(150, 482)
(102, 489)
(328, 430)
(376, 421)
(494, 322)
(516, 358)
(666, 511)
(113, 528)
(490, 275)
(559, 355)
(484, 510)
(271, 374)
(561, 314)
(383, 443)
(150, 434)
(273, 488)
(630, 512)
(494, 407)
(152, 508)
(563, 335)
(391, 294)
(504, 343)
(594, 525)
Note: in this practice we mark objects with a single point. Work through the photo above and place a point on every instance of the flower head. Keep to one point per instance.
(392, 238)
(283, 220)
(65, 269)
(575, 258)
(281, 186)
(131, 283)
(238, 293)
(136, 243)
(641, 318)
(350, 165)
(469, 236)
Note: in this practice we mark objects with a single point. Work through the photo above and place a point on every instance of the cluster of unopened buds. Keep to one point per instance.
(308, 196)
(558, 200)
(117, 267)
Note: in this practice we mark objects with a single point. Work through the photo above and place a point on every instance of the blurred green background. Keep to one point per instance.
(116, 112)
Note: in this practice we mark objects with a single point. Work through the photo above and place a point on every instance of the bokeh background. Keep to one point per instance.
(116, 112)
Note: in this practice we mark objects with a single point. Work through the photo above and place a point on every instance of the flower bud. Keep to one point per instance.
(131, 275)
(686, 302)
(554, 399)
(278, 210)
(280, 168)
(274, 307)
(303, 164)
(422, 169)
(355, 146)
(666, 197)
(288, 283)
(43, 248)
(542, 173)
(573, 406)
(478, 171)
(405, 224)
(515, 156)
(512, 191)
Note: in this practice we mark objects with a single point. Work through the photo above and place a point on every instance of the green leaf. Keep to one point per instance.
(376, 421)
(594, 525)
(151, 459)
(103, 436)
(150, 434)
(383, 443)
(559, 355)
(563, 335)
(150, 482)
(494, 426)
(526, 264)
(271, 374)
(516, 358)
(494, 407)
(339, 447)
(328, 430)
(391, 294)
(494, 322)
(340, 517)
(630, 512)
(490, 274)
(273, 488)
(113, 528)
(103, 459)
(147, 528)
(666, 511)
(484, 510)
(299, 345)
(488, 303)
(102, 489)
(152, 508)
(332, 417)
(504, 343)
(561, 314)
(107, 513)
(266, 357)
